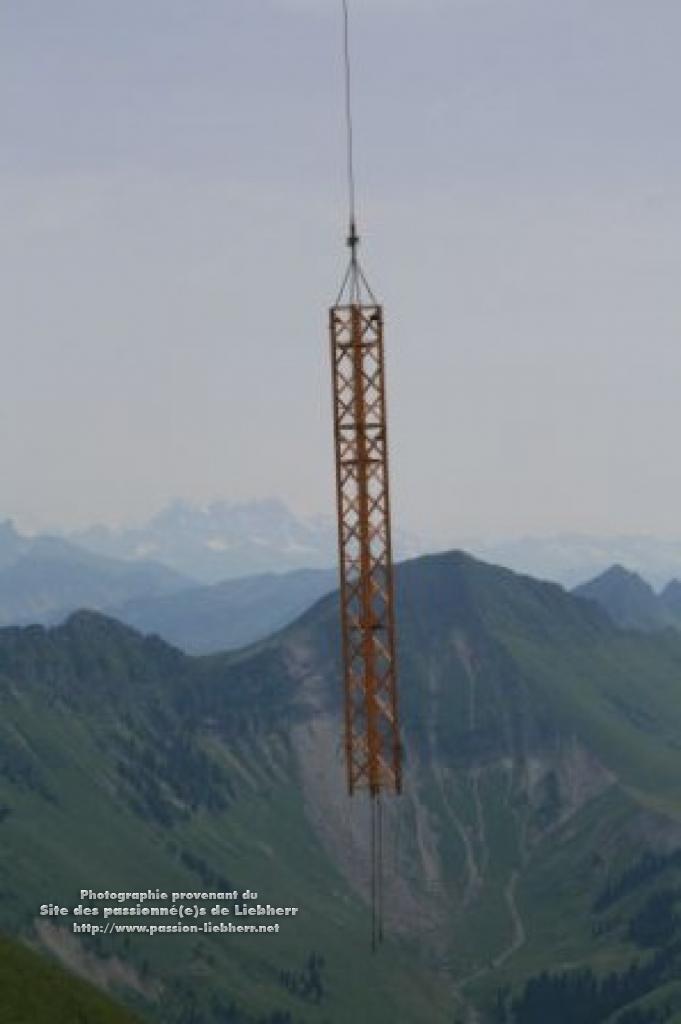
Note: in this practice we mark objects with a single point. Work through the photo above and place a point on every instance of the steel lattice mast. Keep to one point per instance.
(372, 744)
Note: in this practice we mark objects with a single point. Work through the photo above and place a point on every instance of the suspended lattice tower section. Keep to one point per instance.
(372, 742)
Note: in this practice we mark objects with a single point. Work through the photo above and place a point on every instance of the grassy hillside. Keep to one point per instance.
(34, 991)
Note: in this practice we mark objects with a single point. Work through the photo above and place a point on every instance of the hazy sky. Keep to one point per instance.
(172, 204)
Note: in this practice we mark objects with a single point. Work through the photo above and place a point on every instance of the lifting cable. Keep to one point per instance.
(352, 236)
(376, 870)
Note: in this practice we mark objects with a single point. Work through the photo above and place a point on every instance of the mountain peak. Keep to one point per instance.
(616, 576)
(8, 529)
(671, 597)
(617, 571)
(99, 625)
(629, 600)
(12, 544)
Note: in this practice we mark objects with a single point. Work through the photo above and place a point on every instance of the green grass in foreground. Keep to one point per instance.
(34, 991)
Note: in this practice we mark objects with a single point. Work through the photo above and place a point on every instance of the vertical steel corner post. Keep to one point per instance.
(372, 744)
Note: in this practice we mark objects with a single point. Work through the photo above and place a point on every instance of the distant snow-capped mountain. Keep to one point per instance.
(224, 540)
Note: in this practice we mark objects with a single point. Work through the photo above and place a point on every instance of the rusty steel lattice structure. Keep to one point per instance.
(372, 743)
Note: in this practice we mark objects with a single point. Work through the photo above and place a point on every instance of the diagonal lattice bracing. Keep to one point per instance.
(373, 753)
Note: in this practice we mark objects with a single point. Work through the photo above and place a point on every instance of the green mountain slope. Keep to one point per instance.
(34, 991)
(541, 813)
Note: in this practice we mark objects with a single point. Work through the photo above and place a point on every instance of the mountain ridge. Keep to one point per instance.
(44, 578)
(631, 602)
(229, 614)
